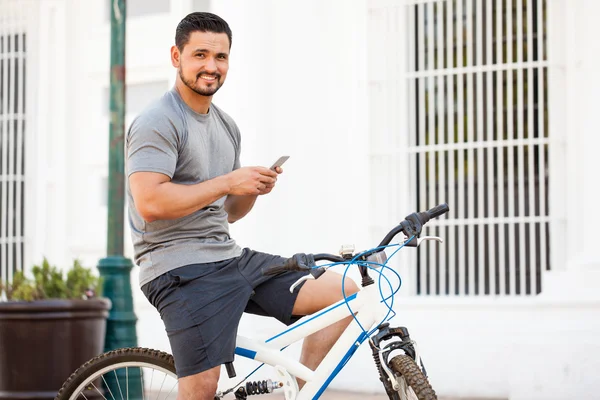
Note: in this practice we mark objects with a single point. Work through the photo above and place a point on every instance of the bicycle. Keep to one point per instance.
(396, 355)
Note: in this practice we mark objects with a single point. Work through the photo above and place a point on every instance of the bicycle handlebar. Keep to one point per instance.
(328, 257)
(411, 226)
(413, 223)
(438, 210)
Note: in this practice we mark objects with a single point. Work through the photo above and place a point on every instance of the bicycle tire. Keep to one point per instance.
(120, 357)
(410, 376)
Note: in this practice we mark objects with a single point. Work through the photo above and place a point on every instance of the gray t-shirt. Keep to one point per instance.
(170, 138)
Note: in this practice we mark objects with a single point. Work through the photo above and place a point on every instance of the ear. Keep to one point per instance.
(175, 56)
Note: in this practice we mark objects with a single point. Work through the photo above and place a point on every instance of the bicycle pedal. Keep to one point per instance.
(230, 370)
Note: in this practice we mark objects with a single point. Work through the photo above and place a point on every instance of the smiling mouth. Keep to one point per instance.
(208, 78)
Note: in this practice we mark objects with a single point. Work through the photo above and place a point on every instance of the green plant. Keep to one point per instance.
(49, 283)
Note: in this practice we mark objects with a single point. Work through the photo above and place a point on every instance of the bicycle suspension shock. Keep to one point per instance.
(377, 362)
(256, 387)
(382, 375)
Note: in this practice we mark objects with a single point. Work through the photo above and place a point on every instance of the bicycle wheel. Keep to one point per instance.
(128, 373)
(413, 383)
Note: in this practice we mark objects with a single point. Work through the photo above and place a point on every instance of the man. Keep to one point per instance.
(185, 185)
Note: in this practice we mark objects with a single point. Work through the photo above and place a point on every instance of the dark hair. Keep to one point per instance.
(200, 21)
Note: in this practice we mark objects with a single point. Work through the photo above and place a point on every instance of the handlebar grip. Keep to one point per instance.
(437, 210)
(298, 262)
(413, 223)
(275, 270)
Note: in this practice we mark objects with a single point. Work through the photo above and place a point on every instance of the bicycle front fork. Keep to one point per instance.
(388, 342)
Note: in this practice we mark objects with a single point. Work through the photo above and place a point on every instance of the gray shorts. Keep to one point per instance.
(201, 305)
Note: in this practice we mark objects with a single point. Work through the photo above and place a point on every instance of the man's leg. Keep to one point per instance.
(314, 296)
(201, 386)
(200, 305)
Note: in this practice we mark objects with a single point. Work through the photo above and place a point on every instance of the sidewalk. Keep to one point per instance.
(331, 394)
(341, 395)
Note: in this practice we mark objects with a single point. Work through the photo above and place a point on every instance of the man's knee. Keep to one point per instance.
(350, 287)
(318, 294)
(201, 386)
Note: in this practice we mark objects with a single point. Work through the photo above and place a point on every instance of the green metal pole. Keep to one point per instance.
(115, 269)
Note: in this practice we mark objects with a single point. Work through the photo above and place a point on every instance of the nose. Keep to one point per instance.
(211, 65)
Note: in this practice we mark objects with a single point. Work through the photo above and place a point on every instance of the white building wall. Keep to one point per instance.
(298, 85)
(511, 347)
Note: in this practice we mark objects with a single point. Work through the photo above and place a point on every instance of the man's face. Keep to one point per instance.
(204, 62)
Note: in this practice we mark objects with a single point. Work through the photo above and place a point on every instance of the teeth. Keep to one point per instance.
(208, 77)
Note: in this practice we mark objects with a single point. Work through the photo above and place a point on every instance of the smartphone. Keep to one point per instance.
(279, 162)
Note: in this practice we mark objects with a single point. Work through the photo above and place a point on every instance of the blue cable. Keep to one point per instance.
(368, 264)
(384, 266)
(384, 299)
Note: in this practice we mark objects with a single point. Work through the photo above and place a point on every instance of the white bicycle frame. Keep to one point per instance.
(368, 309)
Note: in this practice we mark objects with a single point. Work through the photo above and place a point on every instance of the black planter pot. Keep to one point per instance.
(43, 342)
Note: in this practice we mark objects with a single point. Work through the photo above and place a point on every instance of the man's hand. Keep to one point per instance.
(252, 181)
(270, 187)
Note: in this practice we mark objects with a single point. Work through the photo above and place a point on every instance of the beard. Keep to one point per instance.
(202, 90)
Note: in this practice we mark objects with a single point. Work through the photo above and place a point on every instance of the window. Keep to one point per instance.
(479, 141)
(12, 155)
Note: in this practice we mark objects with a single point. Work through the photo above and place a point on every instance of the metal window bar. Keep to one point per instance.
(499, 176)
(489, 259)
(460, 242)
(20, 163)
(430, 134)
(439, 260)
(480, 143)
(450, 85)
(12, 137)
(421, 101)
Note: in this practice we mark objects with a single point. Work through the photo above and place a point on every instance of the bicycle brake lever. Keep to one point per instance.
(299, 281)
(436, 238)
(415, 242)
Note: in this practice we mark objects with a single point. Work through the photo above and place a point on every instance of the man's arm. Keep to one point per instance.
(156, 197)
(238, 206)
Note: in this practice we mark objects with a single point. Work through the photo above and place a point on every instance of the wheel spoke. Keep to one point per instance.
(118, 383)
(142, 382)
(108, 387)
(171, 391)
(151, 380)
(99, 392)
(98, 377)
(161, 385)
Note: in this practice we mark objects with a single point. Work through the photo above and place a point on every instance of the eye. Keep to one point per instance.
(222, 57)
(200, 55)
